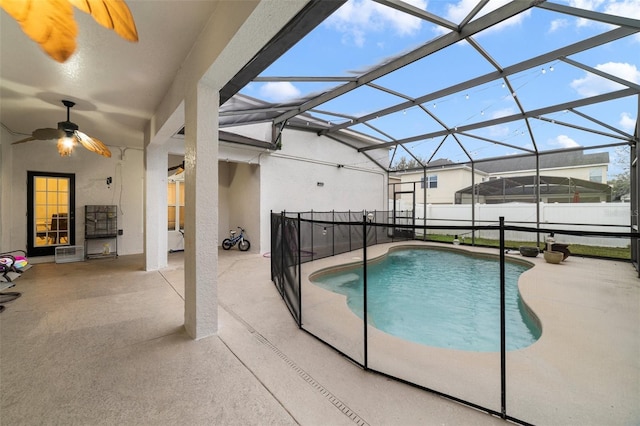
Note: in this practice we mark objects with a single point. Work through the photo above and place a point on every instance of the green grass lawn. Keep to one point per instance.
(577, 249)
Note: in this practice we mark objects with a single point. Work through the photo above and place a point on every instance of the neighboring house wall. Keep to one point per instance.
(449, 180)
(452, 179)
(91, 172)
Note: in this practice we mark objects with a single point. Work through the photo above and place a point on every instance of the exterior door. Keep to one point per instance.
(50, 212)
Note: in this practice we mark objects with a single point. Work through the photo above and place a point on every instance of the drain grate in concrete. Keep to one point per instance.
(303, 374)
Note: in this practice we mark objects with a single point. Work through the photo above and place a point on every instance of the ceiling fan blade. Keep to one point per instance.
(30, 138)
(114, 15)
(46, 134)
(41, 135)
(93, 144)
(48, 23)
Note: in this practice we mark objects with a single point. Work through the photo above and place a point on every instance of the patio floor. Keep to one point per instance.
(102, 342)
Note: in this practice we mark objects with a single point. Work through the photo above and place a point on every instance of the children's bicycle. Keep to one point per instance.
(243, 243)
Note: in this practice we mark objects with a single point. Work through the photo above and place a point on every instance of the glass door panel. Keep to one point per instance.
(50, 212)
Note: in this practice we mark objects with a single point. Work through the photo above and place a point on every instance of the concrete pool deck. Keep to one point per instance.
(585, 367)
(101, 342)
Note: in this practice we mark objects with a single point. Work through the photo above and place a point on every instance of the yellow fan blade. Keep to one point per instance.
(112, 14)
(49, 23)
(93, 144)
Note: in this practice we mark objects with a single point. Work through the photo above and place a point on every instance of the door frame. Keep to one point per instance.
(49, 250)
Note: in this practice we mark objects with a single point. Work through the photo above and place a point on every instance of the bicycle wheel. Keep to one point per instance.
(226, 244)
(244, 245)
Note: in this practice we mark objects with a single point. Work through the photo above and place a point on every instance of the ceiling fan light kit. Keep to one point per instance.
(68, 136)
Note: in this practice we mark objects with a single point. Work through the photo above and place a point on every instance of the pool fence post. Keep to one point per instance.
(333, 232)
(312, 232)
(299, 274)
(503, 367)
(375, 229)
(364, 288)
(349, 222)
(282, 248)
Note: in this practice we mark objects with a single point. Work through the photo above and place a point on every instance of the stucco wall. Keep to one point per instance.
(241, 205)
(253, 181)
(288, 179)
(91, 171)
(305, 176)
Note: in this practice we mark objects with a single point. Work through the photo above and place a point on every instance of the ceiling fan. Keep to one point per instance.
(68, 136)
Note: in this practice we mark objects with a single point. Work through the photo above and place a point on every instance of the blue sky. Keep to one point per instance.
(363, 33)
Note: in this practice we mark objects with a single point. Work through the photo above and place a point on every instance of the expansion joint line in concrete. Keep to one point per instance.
(303, 374)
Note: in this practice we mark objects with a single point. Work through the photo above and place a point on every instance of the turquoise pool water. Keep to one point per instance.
(439, 298)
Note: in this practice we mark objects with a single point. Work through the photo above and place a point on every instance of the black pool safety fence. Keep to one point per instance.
(302, 243)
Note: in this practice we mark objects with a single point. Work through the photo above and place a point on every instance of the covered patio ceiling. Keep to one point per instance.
(465, 80)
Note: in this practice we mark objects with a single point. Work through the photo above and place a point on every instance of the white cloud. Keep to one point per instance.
(557, 24)
(563, 141)
(627, 122)
(280, 91)
(357, 18)
(625, 8)
(588, 5)
(499, 132)
(502, 113)
(591, 84)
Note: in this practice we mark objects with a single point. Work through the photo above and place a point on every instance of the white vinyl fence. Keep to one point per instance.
(600, 217)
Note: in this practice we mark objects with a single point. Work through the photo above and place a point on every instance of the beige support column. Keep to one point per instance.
(201, 211)
(155, 207)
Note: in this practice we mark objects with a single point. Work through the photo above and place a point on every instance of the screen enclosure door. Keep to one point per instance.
(50, 212)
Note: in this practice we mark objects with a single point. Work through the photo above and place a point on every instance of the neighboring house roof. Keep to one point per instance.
(525, 185)
(439, 162)
(558, 160)
(433, 166)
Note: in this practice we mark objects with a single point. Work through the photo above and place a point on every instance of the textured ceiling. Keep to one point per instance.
(116, 84)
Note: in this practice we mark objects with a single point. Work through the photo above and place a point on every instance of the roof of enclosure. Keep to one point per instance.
(549, 185)
(465, 80)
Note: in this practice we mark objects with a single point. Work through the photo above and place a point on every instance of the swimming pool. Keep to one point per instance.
(440, 298)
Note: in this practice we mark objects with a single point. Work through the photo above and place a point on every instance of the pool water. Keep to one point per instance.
(439, 298)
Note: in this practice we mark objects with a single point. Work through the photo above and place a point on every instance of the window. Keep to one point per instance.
(51, 207)
(595, 175)
(175, 202)
(432, 179)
